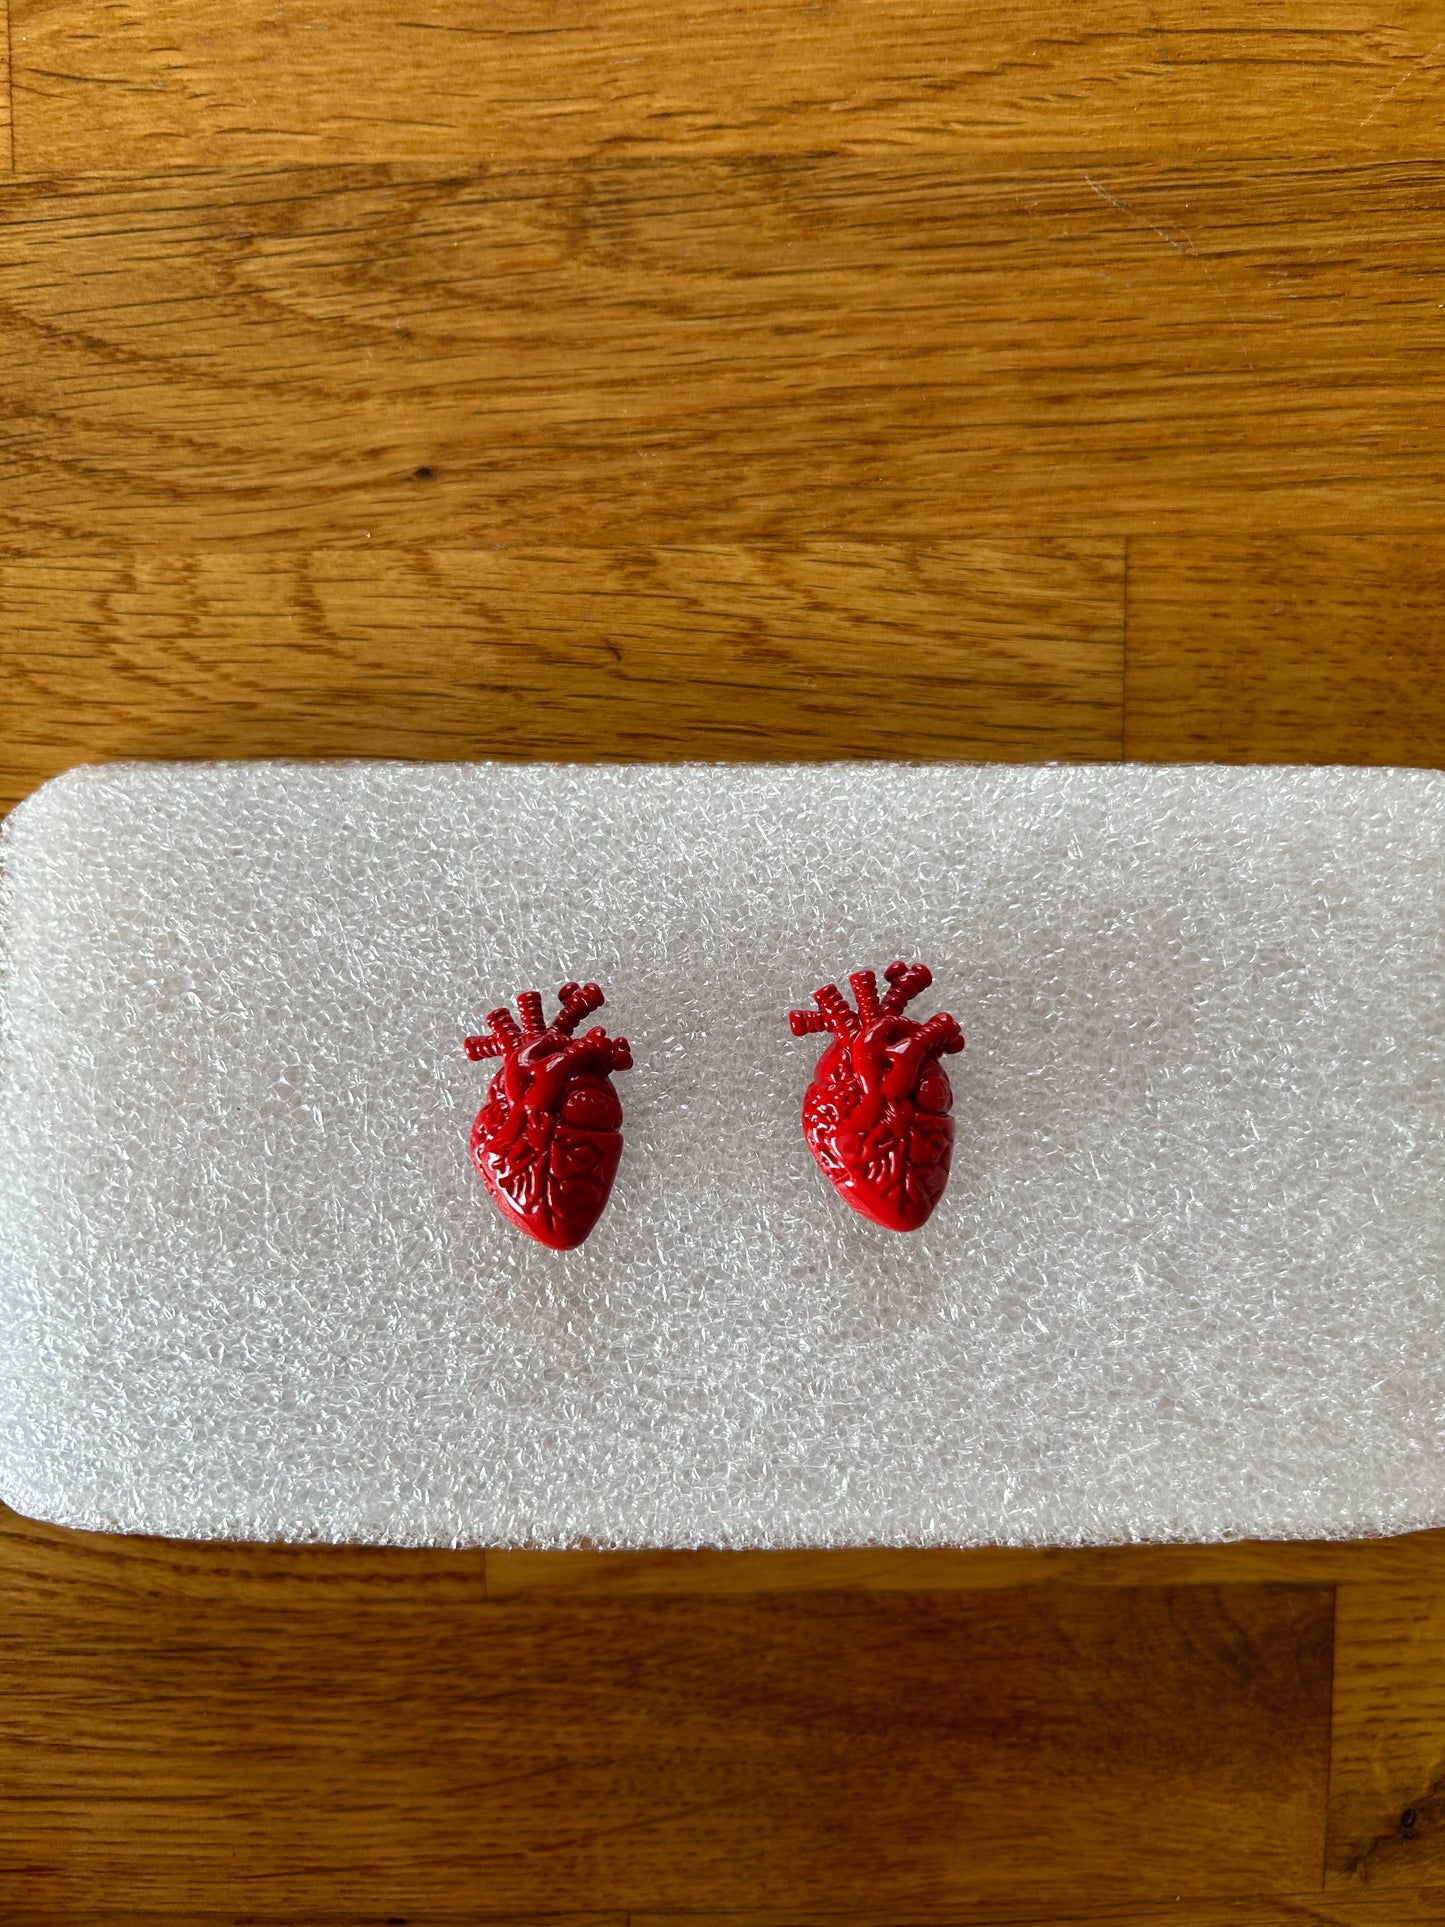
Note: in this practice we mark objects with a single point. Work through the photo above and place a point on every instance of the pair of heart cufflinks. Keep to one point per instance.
(548, 1139)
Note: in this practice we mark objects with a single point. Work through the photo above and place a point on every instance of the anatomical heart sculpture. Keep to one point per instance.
(547, 1141)
(877, 1113)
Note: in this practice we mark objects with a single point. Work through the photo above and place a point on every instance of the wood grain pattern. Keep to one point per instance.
(1398, 1908)
(818, 377)
(7, 92)
(1425, 1908)
(91, 1916)
(205, 81)
(418, 1749)
(1417, 1557)
(962, 649)
(1387, 1768)
(700, 351)
(46, 1568)
(49, 1560)
(1287, 649)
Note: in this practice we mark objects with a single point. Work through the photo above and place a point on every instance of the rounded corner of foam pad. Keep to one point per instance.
(60, 787)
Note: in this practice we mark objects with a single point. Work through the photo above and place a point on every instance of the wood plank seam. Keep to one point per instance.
(1292, 646)
(1387, 1785)
(994, 649)
(399, 1751)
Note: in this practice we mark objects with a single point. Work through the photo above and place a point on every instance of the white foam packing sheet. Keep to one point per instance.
(1185, 1282)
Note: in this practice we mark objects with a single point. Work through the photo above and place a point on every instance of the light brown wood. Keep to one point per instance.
(42, 1556)
(981, 648)
(688, 351)
(48, 1568)
(6, 95)
(1418, 1557)
(1387, 1767)
(7, 122)
(412, 1747)
(819, 377)
(1287, 649)
(235, 81)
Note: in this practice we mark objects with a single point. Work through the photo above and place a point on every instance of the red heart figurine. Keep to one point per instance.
(876, 1115)
(548, 1139)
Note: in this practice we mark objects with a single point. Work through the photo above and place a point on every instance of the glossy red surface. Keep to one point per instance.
(547, 1141)
(876, 1115)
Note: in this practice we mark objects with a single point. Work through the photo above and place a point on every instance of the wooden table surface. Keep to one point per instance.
(809, 378)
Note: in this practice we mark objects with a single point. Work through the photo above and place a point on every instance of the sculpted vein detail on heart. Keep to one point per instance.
(877, 1113)
(547, 1141)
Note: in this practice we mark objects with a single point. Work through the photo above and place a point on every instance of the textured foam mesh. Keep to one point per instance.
(1185, 1281)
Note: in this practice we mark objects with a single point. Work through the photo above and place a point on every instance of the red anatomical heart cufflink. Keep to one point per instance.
(547, 1141)
(876, 1115)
